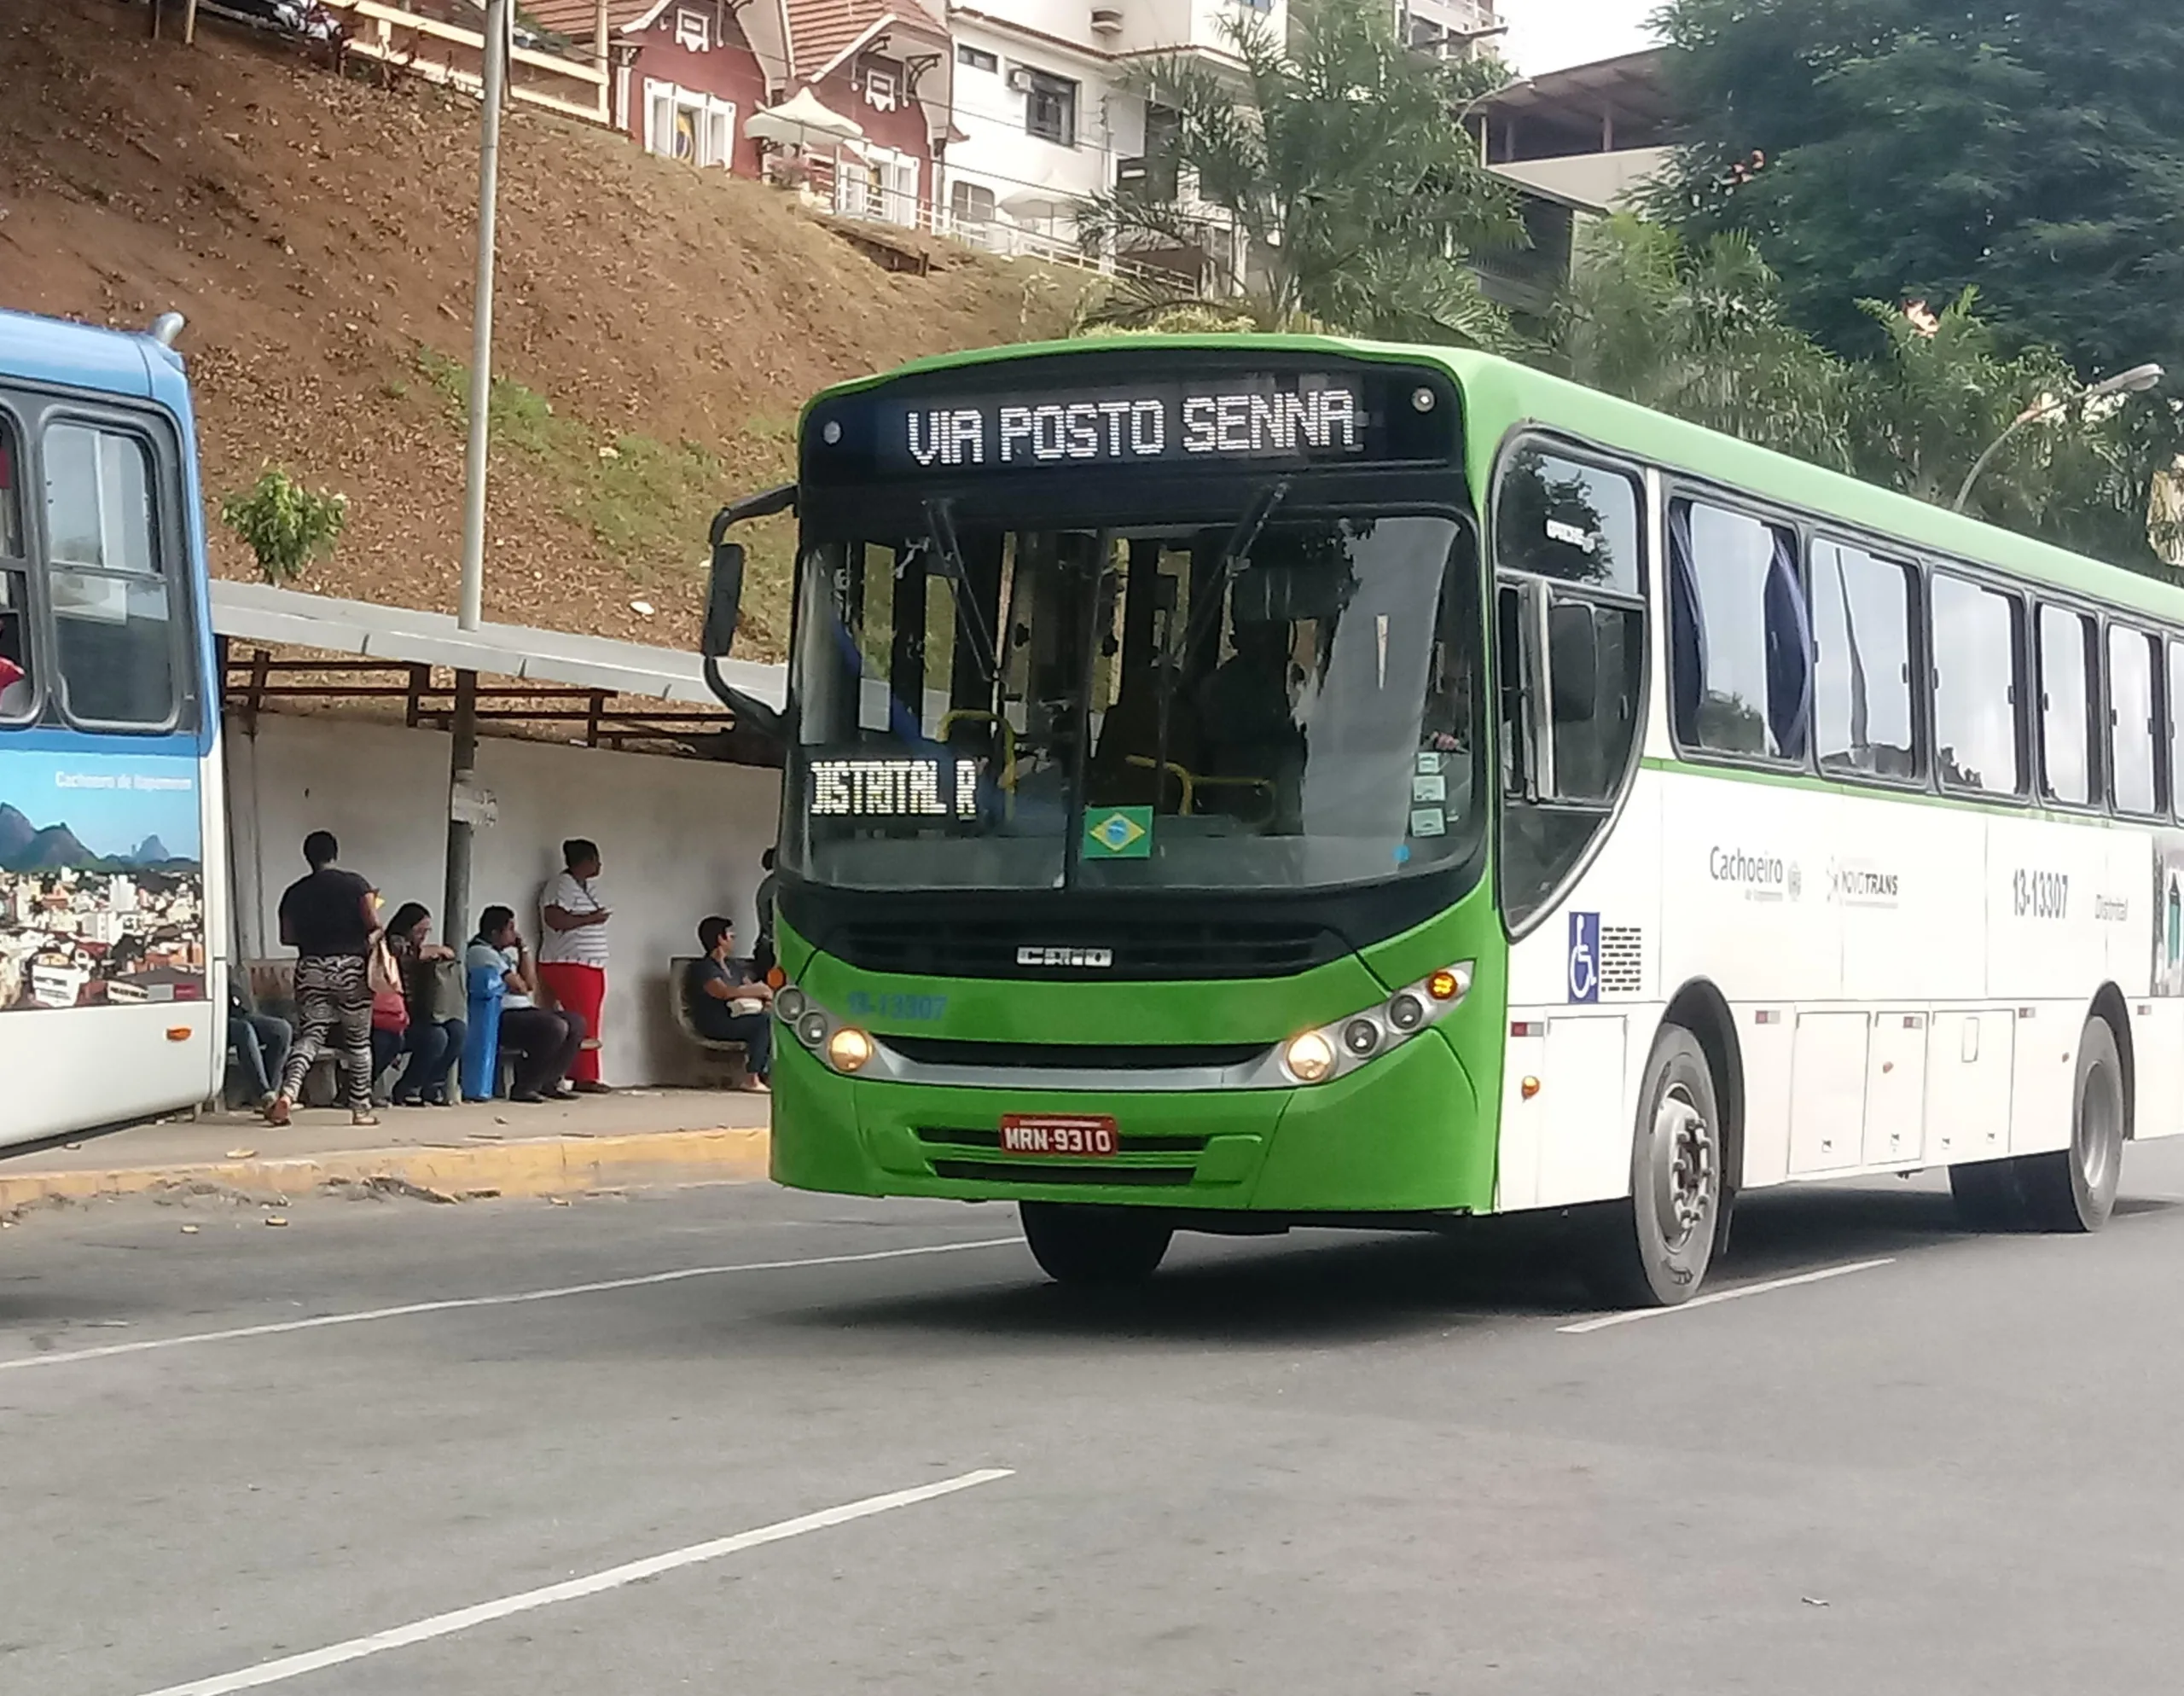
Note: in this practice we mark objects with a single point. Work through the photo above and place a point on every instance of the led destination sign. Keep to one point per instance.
(1236, 418)
(1332, 417)
(893, 788)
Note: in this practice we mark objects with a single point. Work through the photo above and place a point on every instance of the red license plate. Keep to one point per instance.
(1082, 1134)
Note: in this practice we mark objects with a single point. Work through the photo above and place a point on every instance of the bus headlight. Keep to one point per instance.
(848, 1049)
(1309, 1057)
(789, 1004)
(1336, 1049)
(811, 1029)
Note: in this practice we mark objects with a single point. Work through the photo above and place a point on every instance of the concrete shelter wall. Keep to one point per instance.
(679, 839)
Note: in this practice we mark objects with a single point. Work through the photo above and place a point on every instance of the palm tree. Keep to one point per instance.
(1334, 178)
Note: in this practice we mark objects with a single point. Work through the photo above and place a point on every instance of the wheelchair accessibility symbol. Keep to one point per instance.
(1584, 973)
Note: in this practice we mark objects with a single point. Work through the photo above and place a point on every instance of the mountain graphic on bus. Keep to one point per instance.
(25, 847)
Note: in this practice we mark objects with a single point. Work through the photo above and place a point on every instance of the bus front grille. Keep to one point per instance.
(1137, 949)
(1105, 1172)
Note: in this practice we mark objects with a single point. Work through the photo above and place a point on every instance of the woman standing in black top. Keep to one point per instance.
(328, 918)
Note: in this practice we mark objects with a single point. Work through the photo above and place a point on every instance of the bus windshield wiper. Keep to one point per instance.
(940, 528)
(1239, 541)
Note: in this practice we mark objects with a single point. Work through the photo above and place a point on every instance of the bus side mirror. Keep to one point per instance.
(723, 601)
(1574, 663)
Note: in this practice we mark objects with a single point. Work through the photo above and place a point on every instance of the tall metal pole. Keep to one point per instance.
(472, 609)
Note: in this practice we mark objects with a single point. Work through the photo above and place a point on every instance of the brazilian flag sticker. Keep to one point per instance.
(1119, 833)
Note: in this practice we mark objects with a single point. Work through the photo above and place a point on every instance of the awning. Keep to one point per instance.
(255, 612)
(804, 120)
(1044, 198)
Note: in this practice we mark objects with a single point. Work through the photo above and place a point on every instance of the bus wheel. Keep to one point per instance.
(1987, 1196)
(1093, 1245)
(2073, 1189)
(1653, 1250)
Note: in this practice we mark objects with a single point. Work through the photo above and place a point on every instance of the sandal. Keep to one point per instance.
(276, 1110)
(363, 1119)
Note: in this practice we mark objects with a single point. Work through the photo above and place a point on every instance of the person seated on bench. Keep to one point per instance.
(728, 1002)
(549, 1041)
(260, 1042)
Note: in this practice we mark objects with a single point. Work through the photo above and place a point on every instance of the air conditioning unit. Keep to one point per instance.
(1106, 21)
(1019, 79)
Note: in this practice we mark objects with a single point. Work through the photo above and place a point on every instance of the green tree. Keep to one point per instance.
(1895, 149)
(1341, 159)
(284, 525)
(1702, 332)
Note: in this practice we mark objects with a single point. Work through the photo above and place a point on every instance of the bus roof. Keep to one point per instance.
(1511, 395)
(78, 356)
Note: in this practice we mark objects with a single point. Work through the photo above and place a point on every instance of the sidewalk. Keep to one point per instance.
(633, 1136)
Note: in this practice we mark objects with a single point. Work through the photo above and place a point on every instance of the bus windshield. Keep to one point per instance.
(1283, 701)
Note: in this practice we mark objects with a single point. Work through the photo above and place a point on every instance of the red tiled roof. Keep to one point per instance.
(573, 18)
(822, 29)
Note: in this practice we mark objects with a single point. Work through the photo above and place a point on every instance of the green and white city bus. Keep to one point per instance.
(1238, 783)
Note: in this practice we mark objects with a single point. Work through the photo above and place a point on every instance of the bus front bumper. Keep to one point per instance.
(1404, 1134)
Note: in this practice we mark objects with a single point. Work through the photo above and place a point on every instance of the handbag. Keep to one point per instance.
(389, 1010)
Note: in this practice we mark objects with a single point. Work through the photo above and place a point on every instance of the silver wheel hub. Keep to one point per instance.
(1683, 1167)
(2099, 1127)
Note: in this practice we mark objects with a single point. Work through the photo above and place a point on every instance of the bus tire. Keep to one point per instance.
(2073, 1189)
(1652, 1248)
(1076, 1245)
(1987, 1195)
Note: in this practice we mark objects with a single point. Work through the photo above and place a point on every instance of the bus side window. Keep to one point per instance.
(1978, 668)
(1571, 654)
(1741, 646)
(2133, 722)
(17, 696)
(113, 604)
(2069, 665)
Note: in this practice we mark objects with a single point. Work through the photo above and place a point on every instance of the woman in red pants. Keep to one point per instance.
(572, 951)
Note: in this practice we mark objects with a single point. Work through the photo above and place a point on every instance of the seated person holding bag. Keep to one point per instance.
(727, 1002)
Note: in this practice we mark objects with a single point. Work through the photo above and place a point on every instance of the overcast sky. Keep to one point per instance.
(1549, 35)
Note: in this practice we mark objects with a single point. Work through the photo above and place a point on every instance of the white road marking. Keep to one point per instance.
(454, 1304)
(483, 1613)
(1707, 1301)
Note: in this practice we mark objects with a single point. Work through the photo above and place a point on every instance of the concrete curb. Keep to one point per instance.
(555, 1166)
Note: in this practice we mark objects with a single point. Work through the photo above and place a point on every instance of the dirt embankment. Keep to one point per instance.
(658, 327)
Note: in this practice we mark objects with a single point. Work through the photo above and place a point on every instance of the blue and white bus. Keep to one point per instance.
(113, 988)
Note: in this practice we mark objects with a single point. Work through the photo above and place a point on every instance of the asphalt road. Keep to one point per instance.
(1322, 1464)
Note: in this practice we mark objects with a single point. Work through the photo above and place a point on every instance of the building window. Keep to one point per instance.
(1865, 626)
(976, 59)
(2068, 667)
(1050, 108)
(970, 203)
(692, 127)
(1979, 663)
(1739, 649)
(112, 609)
(693, 31)
(883, 86)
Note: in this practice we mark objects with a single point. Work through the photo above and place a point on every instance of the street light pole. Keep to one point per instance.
(471, 609)
(2136, 380)
(462, 752)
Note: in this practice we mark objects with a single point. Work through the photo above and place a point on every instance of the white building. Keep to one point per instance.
(1044, 114)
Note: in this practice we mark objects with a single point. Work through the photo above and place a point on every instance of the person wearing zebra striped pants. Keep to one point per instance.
(331, 919)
